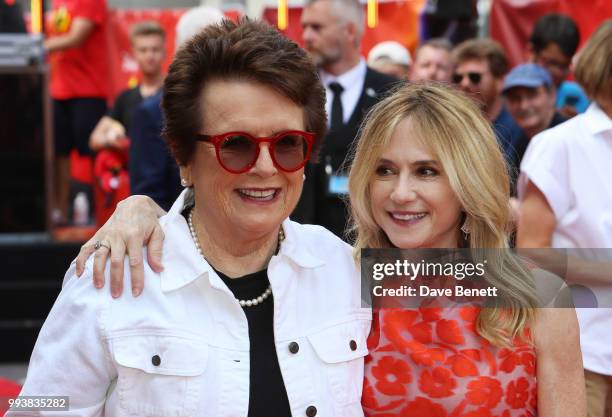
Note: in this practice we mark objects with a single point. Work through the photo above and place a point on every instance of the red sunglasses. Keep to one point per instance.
(237, 152)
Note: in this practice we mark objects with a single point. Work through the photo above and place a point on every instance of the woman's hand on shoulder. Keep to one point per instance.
(133, 224)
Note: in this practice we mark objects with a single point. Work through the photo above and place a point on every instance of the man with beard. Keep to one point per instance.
(332, 32)
(480, 68)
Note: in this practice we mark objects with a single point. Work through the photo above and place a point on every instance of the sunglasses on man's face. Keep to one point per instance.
(474, 77)
(237, 152)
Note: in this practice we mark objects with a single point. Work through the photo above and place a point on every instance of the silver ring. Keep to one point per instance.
(99, 244)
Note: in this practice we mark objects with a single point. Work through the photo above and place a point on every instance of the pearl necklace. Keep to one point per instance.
(243, 303)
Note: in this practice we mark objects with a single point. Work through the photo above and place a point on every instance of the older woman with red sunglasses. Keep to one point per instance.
(253, 314)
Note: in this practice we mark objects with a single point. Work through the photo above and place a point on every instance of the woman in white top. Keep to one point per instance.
(565, 190)
(253, 314)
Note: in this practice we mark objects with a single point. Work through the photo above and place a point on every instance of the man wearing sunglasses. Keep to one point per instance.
(481, 65)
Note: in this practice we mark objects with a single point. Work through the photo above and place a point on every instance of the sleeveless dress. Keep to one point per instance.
(431, 362)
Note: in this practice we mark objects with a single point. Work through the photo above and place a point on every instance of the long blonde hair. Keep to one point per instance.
(462, 140)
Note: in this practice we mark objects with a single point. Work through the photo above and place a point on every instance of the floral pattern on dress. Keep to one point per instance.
(431, 362)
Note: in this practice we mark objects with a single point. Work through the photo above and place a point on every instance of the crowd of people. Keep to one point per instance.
(477, 66)
(250, 140)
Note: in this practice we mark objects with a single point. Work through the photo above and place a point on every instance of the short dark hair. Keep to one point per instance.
(486, 49)
(147, 28)
(556, 28)
(247, 50)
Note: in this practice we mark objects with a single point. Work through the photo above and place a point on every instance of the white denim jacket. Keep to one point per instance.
(100, 351)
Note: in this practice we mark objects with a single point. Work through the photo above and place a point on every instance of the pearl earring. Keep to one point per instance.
(184, 182)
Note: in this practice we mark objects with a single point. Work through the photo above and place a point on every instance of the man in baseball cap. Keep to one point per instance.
(530, 99)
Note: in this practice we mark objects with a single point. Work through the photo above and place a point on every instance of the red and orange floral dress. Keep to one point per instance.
(431, 362)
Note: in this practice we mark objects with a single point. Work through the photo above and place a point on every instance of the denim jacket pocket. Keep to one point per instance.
(159, 375)
(341, 347)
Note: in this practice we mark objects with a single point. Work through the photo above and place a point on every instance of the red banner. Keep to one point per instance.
(511, 21)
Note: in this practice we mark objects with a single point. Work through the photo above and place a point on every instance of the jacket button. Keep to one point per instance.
(311, 411)
(156, 360)
(294, 347)
(353, 345)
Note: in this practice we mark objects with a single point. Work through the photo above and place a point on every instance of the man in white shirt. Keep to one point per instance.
(332, 32)
(566, 202)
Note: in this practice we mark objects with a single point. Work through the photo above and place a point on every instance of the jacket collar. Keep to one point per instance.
(296, 248)
(368, 97)
(183, 263)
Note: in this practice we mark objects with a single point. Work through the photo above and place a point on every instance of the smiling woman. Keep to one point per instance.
(411, 197)
(252, 204)
(429, 173)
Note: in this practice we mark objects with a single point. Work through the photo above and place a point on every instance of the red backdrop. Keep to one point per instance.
(511, 21)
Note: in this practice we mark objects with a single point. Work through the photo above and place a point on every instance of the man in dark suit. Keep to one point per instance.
(332, 31)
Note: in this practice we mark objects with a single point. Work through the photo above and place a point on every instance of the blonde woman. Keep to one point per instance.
(428, 173)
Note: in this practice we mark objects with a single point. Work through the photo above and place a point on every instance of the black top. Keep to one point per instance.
(125, 105)
(267, 394)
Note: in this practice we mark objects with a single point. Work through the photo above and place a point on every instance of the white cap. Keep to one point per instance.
(194, 20)
(391, 50)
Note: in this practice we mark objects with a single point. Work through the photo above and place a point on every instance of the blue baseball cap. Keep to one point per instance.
(527, 75)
